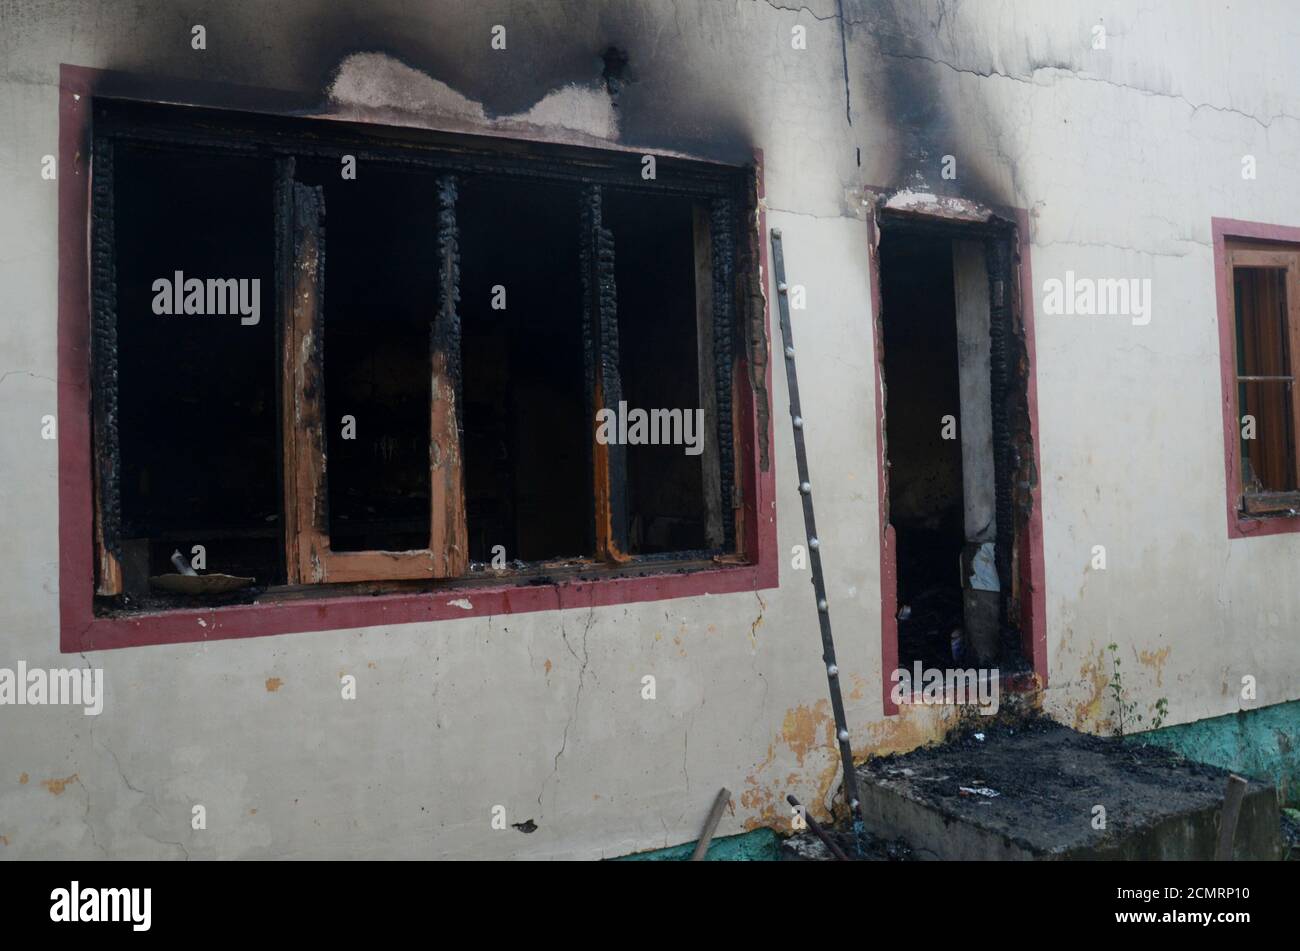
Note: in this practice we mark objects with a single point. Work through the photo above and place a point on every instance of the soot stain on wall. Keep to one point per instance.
(899, 40)
(658, 108)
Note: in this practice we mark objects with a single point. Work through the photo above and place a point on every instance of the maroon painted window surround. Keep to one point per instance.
(332, 539)
(1257, 279)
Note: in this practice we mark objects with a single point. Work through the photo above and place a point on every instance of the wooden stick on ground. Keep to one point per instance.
(711, 824)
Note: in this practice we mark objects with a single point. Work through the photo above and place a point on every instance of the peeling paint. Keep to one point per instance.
(56, 786)
(926, 203)
(859, 685)
(800, 727)
(273, 684)
(805, 731)
(1155, 660)
(1095, 679)
(366, 83)
(913, 726)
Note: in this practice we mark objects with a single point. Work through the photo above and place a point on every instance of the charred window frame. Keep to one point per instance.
(1263, 281)
(718, 198)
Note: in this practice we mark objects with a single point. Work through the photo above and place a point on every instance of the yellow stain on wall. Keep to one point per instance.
(1094, 676)
(1155, 659)
(57, 786)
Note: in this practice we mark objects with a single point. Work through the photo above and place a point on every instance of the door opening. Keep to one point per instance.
(954, 402)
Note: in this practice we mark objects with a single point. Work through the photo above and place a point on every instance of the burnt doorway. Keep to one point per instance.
(954, 397)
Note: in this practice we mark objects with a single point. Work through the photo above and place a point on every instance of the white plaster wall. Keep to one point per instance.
(1123, 156)
(1122, 160)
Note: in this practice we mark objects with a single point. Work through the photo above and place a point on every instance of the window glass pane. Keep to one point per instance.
(196, 367)
(654, 264)
(528, 480)
(1262, 351)
(381, 294)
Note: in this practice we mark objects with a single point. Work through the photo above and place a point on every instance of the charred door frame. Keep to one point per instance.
(1005, 232)
(753, 566)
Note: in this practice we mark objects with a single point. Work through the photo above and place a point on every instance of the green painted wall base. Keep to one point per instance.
(1264, 742)
(761, 845)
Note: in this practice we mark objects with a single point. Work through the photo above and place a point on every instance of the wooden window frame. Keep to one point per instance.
(309, 559)
(1241, 255)
(1243, 244)
(360, 594)
(300, 267)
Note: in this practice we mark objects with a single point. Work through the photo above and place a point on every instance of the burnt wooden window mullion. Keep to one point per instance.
(302, 389)
(449, 541)
(723, 266)
(108, 511)
(310, 557)
(285, 257)
(604, 383)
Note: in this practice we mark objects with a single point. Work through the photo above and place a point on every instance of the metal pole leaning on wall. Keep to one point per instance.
(814, 543)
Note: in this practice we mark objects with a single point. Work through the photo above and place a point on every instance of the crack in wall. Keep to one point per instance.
(117, 762)
(85, 818)
(34, 376)
(838, 16)
(809, 214)
(152, 799)
(1074, 73)
(577, 700)
(753, 628)
(844, 57)
(686, 747)
(1120, 247)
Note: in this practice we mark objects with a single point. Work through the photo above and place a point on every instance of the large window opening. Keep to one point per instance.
(398, 356)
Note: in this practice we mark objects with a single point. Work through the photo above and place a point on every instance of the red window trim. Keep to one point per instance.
(1033, 621)
(1221, 230)
(80, 630)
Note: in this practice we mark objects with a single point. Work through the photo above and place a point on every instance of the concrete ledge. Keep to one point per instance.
(1031, 792)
